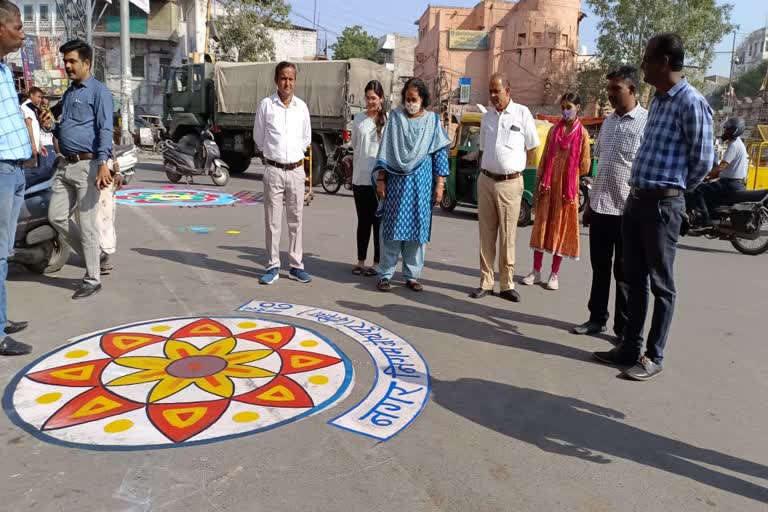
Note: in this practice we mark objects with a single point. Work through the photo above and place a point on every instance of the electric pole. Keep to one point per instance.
(125, 78)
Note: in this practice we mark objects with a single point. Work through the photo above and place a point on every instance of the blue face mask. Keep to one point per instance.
(568, 115)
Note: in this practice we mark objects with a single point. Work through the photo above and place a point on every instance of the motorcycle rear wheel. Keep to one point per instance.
(331, 181)
(757, 246)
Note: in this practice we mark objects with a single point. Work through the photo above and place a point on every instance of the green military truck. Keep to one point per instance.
(223, 98)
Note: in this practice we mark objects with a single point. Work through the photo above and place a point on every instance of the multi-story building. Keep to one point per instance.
(534, 41)
(751, 52)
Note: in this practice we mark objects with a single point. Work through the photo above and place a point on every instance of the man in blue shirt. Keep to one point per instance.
(84, 132)
(15, 147)
(675, 155)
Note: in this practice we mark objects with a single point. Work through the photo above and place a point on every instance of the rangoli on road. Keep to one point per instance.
(174, 197)
(177, 381)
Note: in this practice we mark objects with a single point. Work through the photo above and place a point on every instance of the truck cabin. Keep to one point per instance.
(188, 89)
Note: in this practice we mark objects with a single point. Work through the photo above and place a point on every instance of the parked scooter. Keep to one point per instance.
(741, 218)
(339, 169)
(37, 245)
(189, 157)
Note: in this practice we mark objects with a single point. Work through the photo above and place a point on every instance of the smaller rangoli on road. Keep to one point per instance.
(177, 382)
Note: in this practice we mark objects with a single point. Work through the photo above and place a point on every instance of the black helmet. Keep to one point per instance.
(735, 126)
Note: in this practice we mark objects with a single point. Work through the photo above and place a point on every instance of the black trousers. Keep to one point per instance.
(606, 253)
(707, 195)
(366, 204)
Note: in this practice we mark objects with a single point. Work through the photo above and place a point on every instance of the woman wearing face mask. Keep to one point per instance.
(367, 128)
(566, 157)
(412, 165)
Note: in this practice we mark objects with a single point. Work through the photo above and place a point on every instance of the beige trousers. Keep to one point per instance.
(498, 207)
(283, 189)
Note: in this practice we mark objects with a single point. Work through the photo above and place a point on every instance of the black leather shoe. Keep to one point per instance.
(12, 327)
(86, 290)
(11, 347)
(616, 357)
(480, 293)
(510, 295)
(588, 328)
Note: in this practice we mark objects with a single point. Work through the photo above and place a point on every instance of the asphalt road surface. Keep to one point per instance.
(519, 418)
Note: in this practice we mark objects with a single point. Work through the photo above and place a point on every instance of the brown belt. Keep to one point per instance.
(655, 193)
(285, 167)
(501, 177)
(79, 157)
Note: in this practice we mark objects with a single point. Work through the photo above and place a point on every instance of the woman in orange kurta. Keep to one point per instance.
(556, 227)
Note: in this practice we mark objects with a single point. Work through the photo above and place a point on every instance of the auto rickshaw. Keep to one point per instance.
(464, 158)
(757, 149)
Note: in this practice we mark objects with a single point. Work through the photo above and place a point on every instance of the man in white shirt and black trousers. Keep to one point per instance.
(282, 131)
(616, 147)
(508, 140)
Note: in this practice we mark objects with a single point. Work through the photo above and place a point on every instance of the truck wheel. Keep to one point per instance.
(525, 214)
(237, 162)
(448, 203)
(318, 163)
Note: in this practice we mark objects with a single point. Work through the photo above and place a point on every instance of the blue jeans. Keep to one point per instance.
(413, 258)
(11, 198)
(650, 230)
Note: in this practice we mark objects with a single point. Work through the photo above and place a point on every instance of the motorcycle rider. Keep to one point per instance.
(726, 177)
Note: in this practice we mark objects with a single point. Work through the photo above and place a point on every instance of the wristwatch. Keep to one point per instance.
(102, 162)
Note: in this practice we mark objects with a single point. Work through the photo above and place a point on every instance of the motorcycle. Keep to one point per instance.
(189, 157)
(339, 169)
(740, 218)
(37, 245)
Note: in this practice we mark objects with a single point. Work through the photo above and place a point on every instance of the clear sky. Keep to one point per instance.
(381, 16)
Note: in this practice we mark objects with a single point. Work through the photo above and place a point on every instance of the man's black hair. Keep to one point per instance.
(626, 73)
(81, 47)
(669, 45)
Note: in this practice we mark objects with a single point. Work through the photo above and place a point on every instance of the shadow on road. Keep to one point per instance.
(574, 428)
(694, 248)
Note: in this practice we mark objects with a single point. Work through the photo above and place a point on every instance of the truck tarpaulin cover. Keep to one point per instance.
(241, 86)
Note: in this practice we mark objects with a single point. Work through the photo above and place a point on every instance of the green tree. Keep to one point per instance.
(626, 26)
(355, 43)
(748, 84)
(244, 29)
(590, 84)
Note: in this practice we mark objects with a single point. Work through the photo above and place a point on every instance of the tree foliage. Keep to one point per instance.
(748, 84)
(244, 29)
(626, 26)
(355, 43)
(590, 84)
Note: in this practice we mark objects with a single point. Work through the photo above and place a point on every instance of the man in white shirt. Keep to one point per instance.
(728, 176)
(282, 131)
(617, 144)
(29, 109)
(508, 140)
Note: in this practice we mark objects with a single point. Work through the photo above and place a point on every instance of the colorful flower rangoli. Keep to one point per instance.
(173, 197)
(178, 382)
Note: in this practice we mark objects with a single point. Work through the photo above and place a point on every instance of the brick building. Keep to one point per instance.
(535, 41)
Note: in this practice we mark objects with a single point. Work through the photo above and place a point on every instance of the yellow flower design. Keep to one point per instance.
(210, 368)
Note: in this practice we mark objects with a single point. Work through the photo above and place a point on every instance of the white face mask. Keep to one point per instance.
(413, 108)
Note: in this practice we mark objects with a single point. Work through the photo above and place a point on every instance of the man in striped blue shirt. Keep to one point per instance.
(15, 147)
(676, 153)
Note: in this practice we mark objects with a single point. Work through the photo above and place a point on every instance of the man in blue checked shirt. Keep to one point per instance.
(84, 132)
(676, 153)
(15, 147)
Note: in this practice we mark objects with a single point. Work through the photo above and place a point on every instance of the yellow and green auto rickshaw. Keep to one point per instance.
(464, 157)
(757, 148)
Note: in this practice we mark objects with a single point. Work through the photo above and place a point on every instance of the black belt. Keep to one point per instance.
(655, 193)
(79, 157)
(285, 167)
(501, 177)
(13, 162)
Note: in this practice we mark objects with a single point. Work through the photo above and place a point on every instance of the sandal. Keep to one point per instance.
(384, 285)
(370, 272)
(357, 270)
(415, 285)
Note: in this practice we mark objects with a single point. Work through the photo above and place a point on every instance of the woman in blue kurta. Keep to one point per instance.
(409, 176)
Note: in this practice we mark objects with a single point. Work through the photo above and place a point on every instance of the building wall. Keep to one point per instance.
(534, 41)
(751, 52)
(295, 45)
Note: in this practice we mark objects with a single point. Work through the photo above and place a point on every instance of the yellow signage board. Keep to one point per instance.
(467, 40)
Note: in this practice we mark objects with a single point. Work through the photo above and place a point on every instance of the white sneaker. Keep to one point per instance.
(532, 278)
(553, 284)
